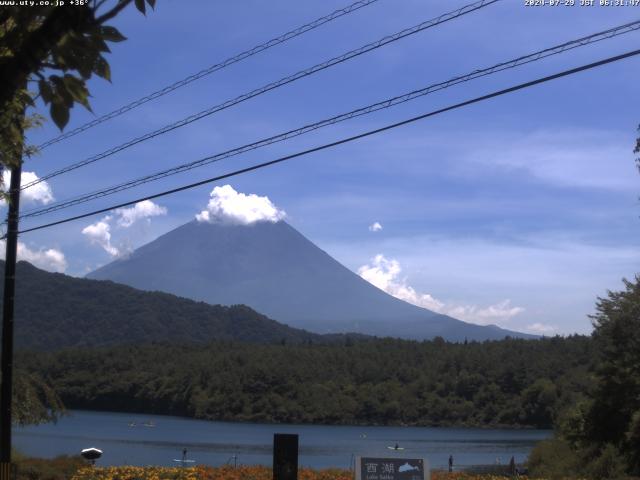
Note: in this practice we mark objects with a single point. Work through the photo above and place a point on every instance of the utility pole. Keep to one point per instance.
(6, 361)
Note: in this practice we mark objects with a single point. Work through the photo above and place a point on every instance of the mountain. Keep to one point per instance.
(56, 311)
(274, 269)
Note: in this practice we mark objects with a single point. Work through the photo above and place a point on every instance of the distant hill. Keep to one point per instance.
(277, 271)
(55, 311)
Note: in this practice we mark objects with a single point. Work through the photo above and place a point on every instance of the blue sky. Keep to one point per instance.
(518, 211)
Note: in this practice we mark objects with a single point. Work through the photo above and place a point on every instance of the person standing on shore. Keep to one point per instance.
(450, 463)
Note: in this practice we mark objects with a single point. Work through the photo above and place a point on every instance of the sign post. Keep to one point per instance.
(285, 456)
(375, 468)
(6, 358)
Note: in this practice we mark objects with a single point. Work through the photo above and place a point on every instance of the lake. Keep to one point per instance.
(135, 439)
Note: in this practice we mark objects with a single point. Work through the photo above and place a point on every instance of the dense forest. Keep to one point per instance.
(521, 383)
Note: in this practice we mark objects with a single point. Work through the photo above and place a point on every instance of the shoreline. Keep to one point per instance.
(321, 446)
(258, 422)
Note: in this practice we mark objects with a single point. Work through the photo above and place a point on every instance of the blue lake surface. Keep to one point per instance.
(216, 443)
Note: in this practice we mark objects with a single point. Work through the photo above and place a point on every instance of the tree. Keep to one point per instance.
(614, 416)
(34, 401)
(59, 48)
(599, 436)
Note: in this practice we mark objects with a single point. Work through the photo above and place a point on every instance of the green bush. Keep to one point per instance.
(608, 463)
(556, 459)
(553, 459)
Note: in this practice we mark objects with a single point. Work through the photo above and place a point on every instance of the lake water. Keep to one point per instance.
(216, 443)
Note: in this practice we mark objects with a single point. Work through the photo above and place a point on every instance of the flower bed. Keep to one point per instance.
(239, 473)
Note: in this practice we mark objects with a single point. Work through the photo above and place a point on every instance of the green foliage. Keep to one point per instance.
(385, 381)
(571, 424)
(540, 400)
(12, 127)
(553, 459)
(632, 442)
(605, 462)
(557, 459)
(58, 48)
(612, 419)
(34, 401)
(603, 430)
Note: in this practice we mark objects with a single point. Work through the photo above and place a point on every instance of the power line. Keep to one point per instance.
(213, 68)
(445, 17)
(498, 93)
(596, 37)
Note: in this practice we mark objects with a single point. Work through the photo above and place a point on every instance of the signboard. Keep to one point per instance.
(374, 468)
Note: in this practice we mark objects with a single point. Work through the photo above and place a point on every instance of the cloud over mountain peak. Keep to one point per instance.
(230, 207)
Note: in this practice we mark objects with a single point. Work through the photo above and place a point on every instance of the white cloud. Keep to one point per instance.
(141, 210)
(556, 275)
(228, 206)
(48, 259)
(498, 313)
(375, 227)
(385, 274)
(39, 193)
(99, 233)
(542, 329)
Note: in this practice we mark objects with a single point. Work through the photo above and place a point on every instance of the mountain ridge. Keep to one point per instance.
(54, 311)
(273, 268)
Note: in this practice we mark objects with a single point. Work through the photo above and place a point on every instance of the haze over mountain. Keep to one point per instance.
(274, 269)
(55, 311)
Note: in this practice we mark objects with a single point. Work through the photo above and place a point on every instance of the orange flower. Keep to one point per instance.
(226, 472)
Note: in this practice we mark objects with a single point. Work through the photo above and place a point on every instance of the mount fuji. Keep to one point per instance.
(274, 269)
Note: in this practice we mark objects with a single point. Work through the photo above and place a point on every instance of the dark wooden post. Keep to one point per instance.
(6, 361)
(285, 456)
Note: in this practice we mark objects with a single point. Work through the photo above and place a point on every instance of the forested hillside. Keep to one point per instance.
(55, 311)
(510, 382)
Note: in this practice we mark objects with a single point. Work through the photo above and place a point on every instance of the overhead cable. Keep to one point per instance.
(498, 93)
(213, 68)
(532, 57)
(445, 17)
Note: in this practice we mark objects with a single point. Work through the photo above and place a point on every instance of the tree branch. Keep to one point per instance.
(98, 4)
(113, 12)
